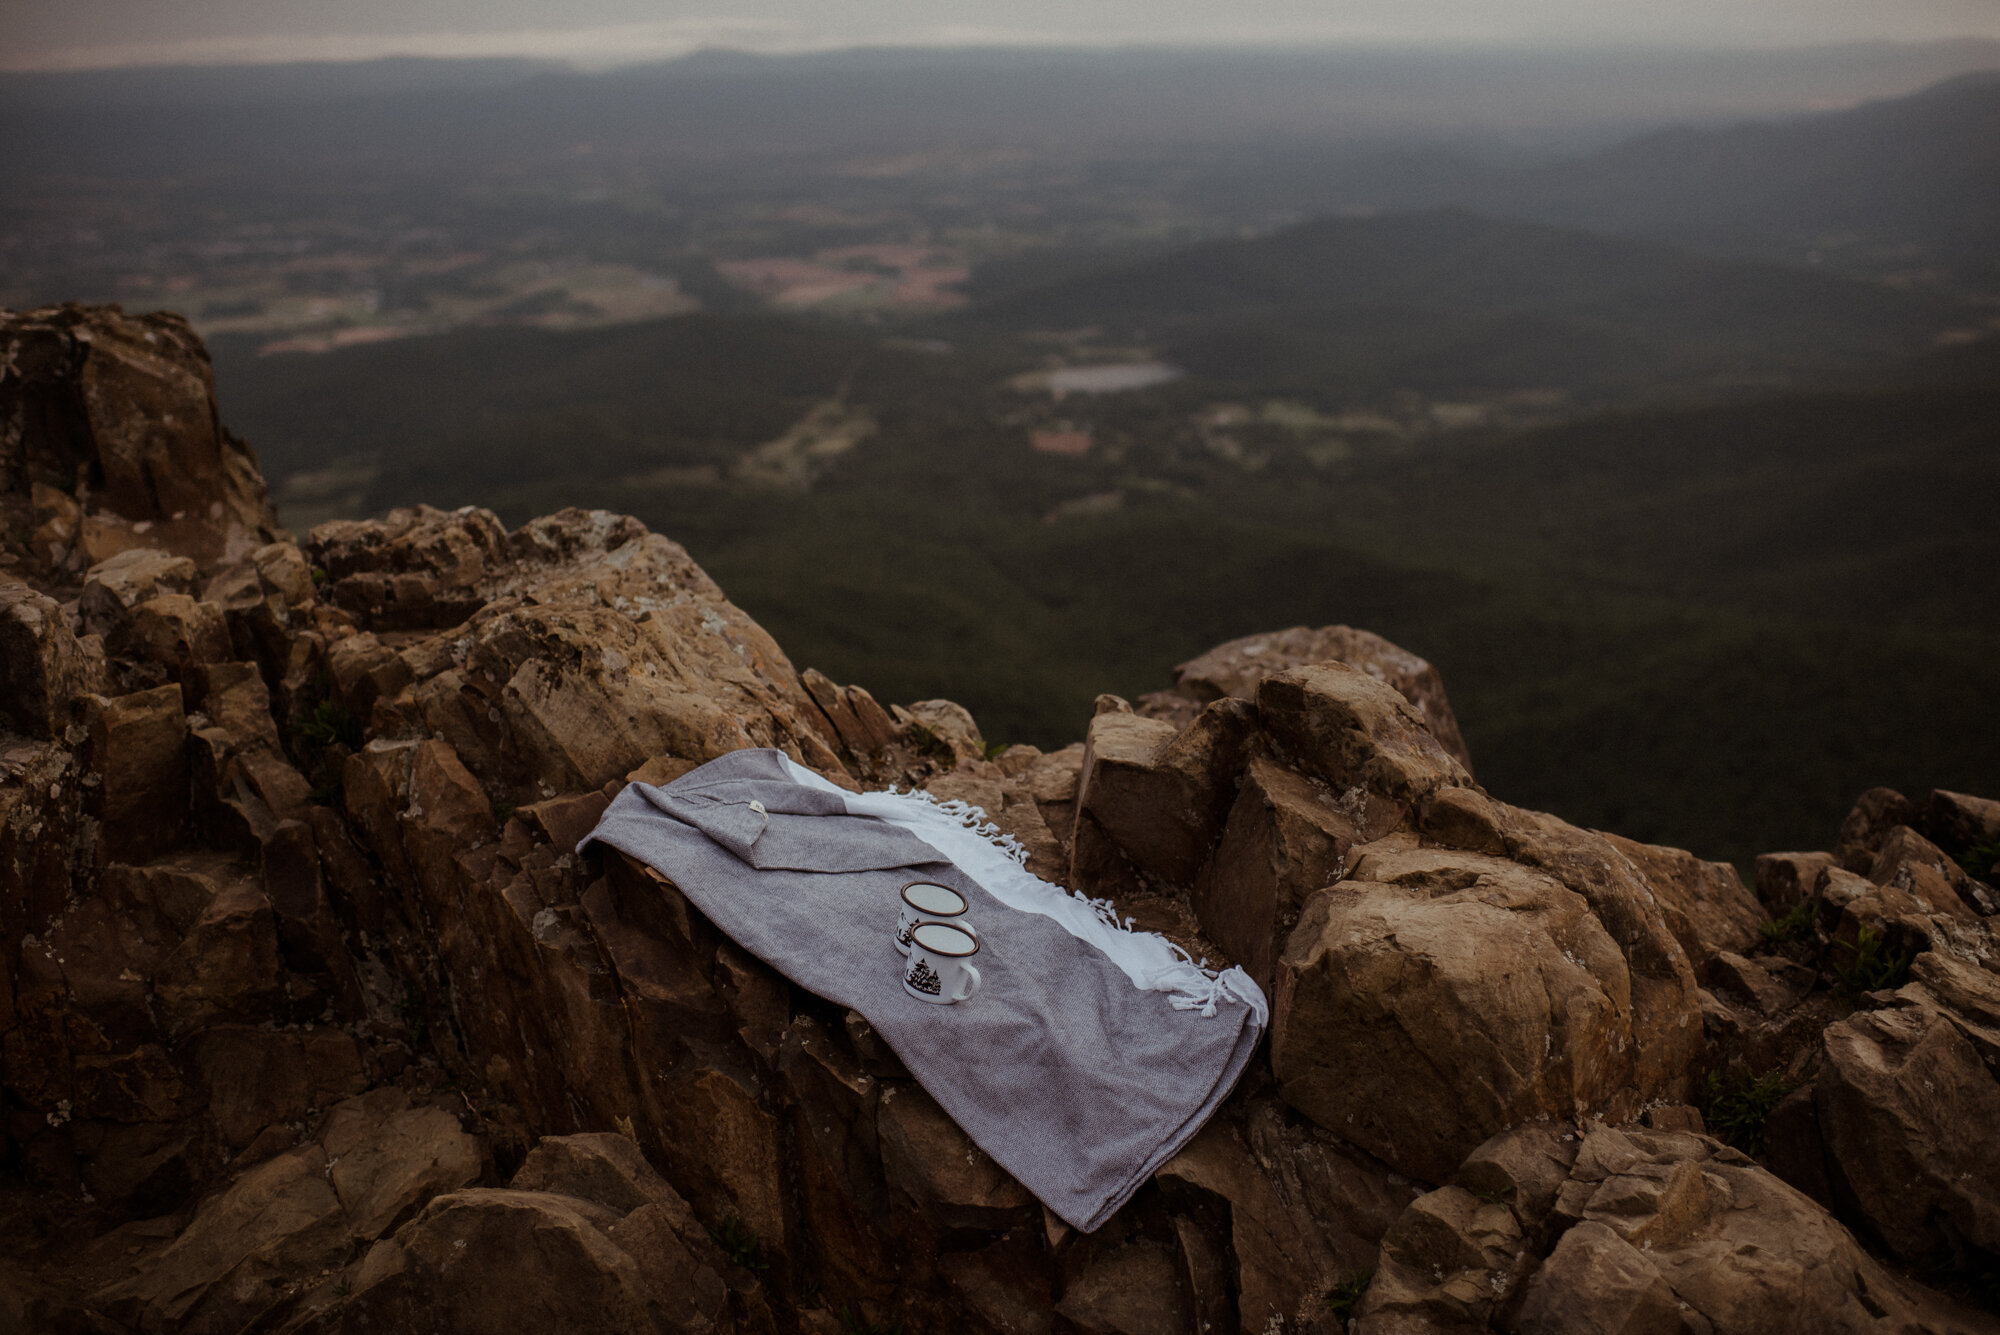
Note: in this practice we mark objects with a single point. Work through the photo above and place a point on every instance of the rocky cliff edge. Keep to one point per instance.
(310, 1020)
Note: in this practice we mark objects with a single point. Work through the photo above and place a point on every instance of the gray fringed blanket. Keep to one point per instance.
(1089, 1055)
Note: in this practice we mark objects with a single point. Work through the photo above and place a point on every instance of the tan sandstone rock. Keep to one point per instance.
(1351, 730)
(1286, 836)
(1786, 880)
(1238, 667)
(1304, 1211)
(1435, 998)
(1962, 821)
(591, 647)
(1874, 814)
(439, 1274)
(1913, 863)
(42, 667)
(134, 397)
(1638, 1231)
(1911, 1121)
(1153, 798)
(386, 1158)
(1706, 905)
(273, 1222)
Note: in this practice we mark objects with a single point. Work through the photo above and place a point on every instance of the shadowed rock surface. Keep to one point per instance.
(312, 1020)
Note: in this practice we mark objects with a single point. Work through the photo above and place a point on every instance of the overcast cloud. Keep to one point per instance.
(91, 33)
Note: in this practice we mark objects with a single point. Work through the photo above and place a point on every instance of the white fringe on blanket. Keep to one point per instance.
(997, 861)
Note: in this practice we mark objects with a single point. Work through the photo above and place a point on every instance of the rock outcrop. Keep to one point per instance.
(110, 440)
(1237, 668)
(311, 1019)
(1545, 1228)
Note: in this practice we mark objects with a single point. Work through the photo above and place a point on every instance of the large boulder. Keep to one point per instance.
(1962, 824)
(1279, 1212)
(1786, 880)
(1707, 906)
(587, 1237)
(1352, 730)
(138, 746)
(1910, 862)
(42, 667)
(486, 1260)
(1436, 998)
(386, 1158)
(279, 1220)
(1910, 1117)
(579, 650)
(118, 412)
(1551, 1230)
(1151, 798)
(1874, 814)
(1287, 835)
(1238, 667)
(1665, 1010)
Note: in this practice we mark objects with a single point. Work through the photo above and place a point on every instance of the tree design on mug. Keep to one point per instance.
(924, 979)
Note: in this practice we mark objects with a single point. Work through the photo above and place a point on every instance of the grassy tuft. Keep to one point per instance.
(329, 722)
(1873, 964)
(739, 1244)
(1795, 925)
(1978, 861)
(1346, 1294)
(1736, 1104)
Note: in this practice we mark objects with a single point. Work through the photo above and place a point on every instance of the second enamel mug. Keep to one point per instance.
(927, 901)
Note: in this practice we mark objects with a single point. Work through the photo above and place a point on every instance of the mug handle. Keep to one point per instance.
(971, 985)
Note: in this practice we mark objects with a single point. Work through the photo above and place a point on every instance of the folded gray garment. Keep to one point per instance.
(1072, 1077)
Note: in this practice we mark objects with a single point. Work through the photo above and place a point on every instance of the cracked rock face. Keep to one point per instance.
(110, 420)
(312, 1019)
(1548, 1230)
(1237, 668)
(1439, 997)
(563, 655)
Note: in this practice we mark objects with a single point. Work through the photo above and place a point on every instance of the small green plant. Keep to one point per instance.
(738, 1243)
(343, 1287)
(1795, 925)
(327, 786)
(318, 575)
(1735, 1105)
(1495, 1197)
(1346, 1294)
(329, 722)
(994, 750)
(504, 811)
(1873, 964)
(853, 1323)
(925, 742)
(1978, 860)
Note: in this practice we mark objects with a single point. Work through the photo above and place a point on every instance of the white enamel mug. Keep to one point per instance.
(927, 901)
(939, 969)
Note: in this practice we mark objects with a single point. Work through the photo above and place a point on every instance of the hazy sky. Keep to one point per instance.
(85, 33)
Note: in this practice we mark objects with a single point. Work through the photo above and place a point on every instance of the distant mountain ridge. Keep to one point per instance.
(472, 112)
(1923, 168)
